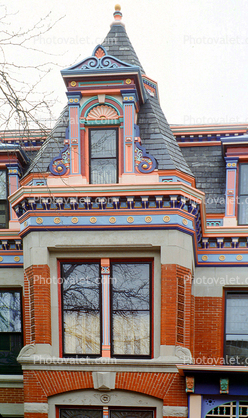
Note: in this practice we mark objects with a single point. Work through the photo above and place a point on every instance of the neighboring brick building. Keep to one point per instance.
(123, 281)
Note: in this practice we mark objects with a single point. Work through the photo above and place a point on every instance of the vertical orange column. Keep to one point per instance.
(105, 279)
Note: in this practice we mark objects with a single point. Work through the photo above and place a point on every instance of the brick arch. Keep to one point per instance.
(169, 387)
(166, 386)
(42, 384)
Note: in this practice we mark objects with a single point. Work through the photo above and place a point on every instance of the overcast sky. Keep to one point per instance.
(197, 50)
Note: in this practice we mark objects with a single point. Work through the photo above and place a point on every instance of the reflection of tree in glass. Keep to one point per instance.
(130, 286)
(10, 312)
(103, 143)
(81, 299)
(131, 308)
(81, 286)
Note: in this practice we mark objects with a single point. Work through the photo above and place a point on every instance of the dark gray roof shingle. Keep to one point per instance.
(52, 146)
(158, 138)
(208, 166)
(117, 44)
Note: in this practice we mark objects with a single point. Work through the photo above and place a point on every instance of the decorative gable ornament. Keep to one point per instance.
(144, 162)
(102, 112)
(59, 165)
(99, 52)
(99, 60)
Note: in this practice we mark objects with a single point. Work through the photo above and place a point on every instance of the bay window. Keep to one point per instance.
(90, 306)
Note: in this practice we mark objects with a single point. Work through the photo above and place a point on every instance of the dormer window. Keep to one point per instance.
(103, 156)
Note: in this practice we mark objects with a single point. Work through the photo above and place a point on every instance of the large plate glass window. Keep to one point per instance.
(81, 309)
(131, 309)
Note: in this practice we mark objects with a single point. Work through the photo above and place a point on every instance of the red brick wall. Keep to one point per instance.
(37, 305)
(175, 305)
(208, 327)
(167, 386)
(11, 395)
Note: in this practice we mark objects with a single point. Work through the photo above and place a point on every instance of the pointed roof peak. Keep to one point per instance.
(117, 16)
(117, 42)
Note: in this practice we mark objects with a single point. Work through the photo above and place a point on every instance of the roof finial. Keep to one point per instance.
(117, 13)
(117, 16)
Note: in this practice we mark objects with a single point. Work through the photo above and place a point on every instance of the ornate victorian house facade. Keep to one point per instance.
(123, 277)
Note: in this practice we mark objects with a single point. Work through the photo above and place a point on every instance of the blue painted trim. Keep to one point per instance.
(97, 104)
(146, 155)
(102, 122)
(63, 167)
(172, 179)
(103, 220)
(87, 102)
(119, 70)
(94, 64)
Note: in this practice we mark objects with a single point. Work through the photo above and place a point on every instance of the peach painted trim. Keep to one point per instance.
(87, 155)
(178, 173)
(121, 148)
(199, 144)
(129, 159)
(83, 153)
(74, 159)
(215, 216)
(88, 92)
(32, 176)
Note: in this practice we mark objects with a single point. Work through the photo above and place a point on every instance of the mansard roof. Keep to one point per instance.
(52, 146)
(155, 131)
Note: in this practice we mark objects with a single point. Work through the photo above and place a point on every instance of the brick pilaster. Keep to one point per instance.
(37, 305)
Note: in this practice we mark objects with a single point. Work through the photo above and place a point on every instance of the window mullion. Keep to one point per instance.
(105, 280)
(105, 412)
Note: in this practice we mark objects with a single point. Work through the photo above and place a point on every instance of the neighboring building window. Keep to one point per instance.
(236, 327)
(243, 194)
(103, 156)
(3, 200)
(10, 331)
(83, 304)
(229, 410)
